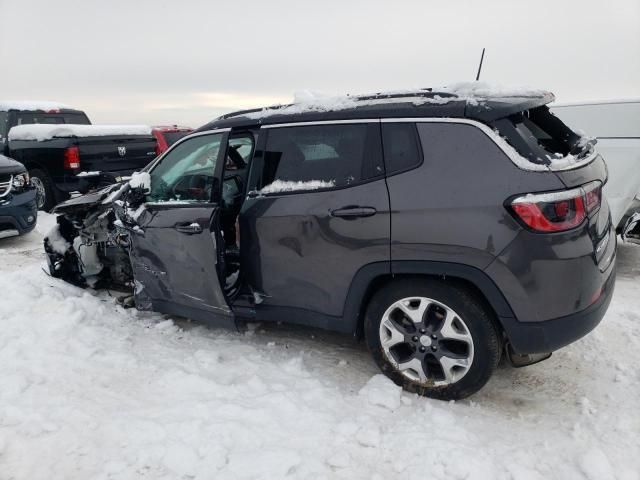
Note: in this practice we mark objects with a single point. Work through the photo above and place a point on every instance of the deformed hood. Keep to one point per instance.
(90, 200)
(9, 166)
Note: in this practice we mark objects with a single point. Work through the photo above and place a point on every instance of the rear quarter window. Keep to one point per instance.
(401, 147)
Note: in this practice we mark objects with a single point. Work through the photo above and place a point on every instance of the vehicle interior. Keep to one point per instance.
(236, 171)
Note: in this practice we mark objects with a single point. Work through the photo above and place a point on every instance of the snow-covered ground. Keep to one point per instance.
(91, 391)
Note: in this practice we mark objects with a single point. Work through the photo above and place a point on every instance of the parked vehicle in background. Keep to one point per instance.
(616, 125)
(64, 153)
(18, 211)
(168, 135)
(402, 217)
(14, 113)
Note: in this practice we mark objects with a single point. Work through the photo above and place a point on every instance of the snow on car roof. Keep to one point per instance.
(27, 105)
(472, 93)
(41, 132)
(171, 128)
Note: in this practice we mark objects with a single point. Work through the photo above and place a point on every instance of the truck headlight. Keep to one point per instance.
(20, 181)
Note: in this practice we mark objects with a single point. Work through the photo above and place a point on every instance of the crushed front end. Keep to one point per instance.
(89, 246)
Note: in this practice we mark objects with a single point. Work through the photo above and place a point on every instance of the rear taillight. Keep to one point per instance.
(71, 158)
(558, 211)
(592, 196)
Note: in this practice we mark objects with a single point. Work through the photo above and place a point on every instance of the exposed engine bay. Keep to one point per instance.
(90, 246)
(112, 239)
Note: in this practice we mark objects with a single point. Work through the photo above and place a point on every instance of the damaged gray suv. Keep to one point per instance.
(446, 229)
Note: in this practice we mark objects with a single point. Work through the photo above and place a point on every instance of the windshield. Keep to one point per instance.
(173, 137)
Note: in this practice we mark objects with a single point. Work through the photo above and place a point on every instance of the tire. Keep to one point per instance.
(440, 328)
(47, 195)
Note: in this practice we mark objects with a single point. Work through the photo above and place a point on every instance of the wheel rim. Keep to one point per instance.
(426, 341)
(41, 193)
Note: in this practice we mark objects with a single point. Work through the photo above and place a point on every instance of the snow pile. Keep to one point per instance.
(56, 241)
(42, 132)
(141, 180)
(479, 91)
(90, 390)
(280, 186)
(6, 105)
(380, 391)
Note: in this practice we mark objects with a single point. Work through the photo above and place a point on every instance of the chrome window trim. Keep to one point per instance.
(516, 158)
(321, 122)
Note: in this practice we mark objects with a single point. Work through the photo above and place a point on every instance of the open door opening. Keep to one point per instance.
(241, 146)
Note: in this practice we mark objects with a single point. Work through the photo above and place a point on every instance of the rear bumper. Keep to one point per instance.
(550, 335)
(15, 211)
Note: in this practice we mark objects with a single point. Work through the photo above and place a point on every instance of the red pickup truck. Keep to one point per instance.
(168, 135)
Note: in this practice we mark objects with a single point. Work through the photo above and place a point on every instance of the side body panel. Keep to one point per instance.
(451, 208)
(301, 257)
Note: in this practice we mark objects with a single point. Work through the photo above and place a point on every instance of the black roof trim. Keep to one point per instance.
(483, 109)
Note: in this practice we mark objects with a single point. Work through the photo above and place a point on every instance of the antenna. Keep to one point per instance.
(480, 66)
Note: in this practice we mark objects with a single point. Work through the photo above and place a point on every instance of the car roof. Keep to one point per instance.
(483, 105)
(171, 128)
(36, 106)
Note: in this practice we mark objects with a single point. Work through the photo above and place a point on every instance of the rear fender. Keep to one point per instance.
(370, 276)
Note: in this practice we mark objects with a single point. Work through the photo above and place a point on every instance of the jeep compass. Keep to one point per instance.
(445, 228)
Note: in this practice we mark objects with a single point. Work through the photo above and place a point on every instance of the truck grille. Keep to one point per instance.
(5, 185)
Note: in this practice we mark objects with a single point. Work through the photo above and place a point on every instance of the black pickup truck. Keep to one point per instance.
(64, 153)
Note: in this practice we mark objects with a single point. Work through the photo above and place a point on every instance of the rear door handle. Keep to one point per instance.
(189, 228)
(353, 211)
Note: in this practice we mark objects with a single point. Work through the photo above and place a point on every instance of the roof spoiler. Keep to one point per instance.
(494, 108)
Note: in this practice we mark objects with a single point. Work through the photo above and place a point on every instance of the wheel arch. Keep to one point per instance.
(372, 277)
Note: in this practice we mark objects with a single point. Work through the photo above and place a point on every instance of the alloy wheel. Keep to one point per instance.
(426, 341)
(41, 192)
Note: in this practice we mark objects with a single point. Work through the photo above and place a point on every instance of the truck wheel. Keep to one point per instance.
(432, 338)
(47, 195)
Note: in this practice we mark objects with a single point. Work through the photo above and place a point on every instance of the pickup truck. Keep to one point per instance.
(64, 153)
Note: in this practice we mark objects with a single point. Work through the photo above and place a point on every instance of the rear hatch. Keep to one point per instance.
(121, 154)
(543, 139)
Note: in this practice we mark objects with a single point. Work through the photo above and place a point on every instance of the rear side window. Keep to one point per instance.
(173, 137)
(401, 147)
(29, 118)
(540, 136)
(321, 156)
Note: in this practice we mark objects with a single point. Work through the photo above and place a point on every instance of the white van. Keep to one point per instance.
(616, 125)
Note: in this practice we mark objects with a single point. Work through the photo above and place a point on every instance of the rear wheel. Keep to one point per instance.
(432, 338)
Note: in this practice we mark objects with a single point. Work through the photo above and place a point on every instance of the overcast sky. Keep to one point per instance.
(188, 61)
